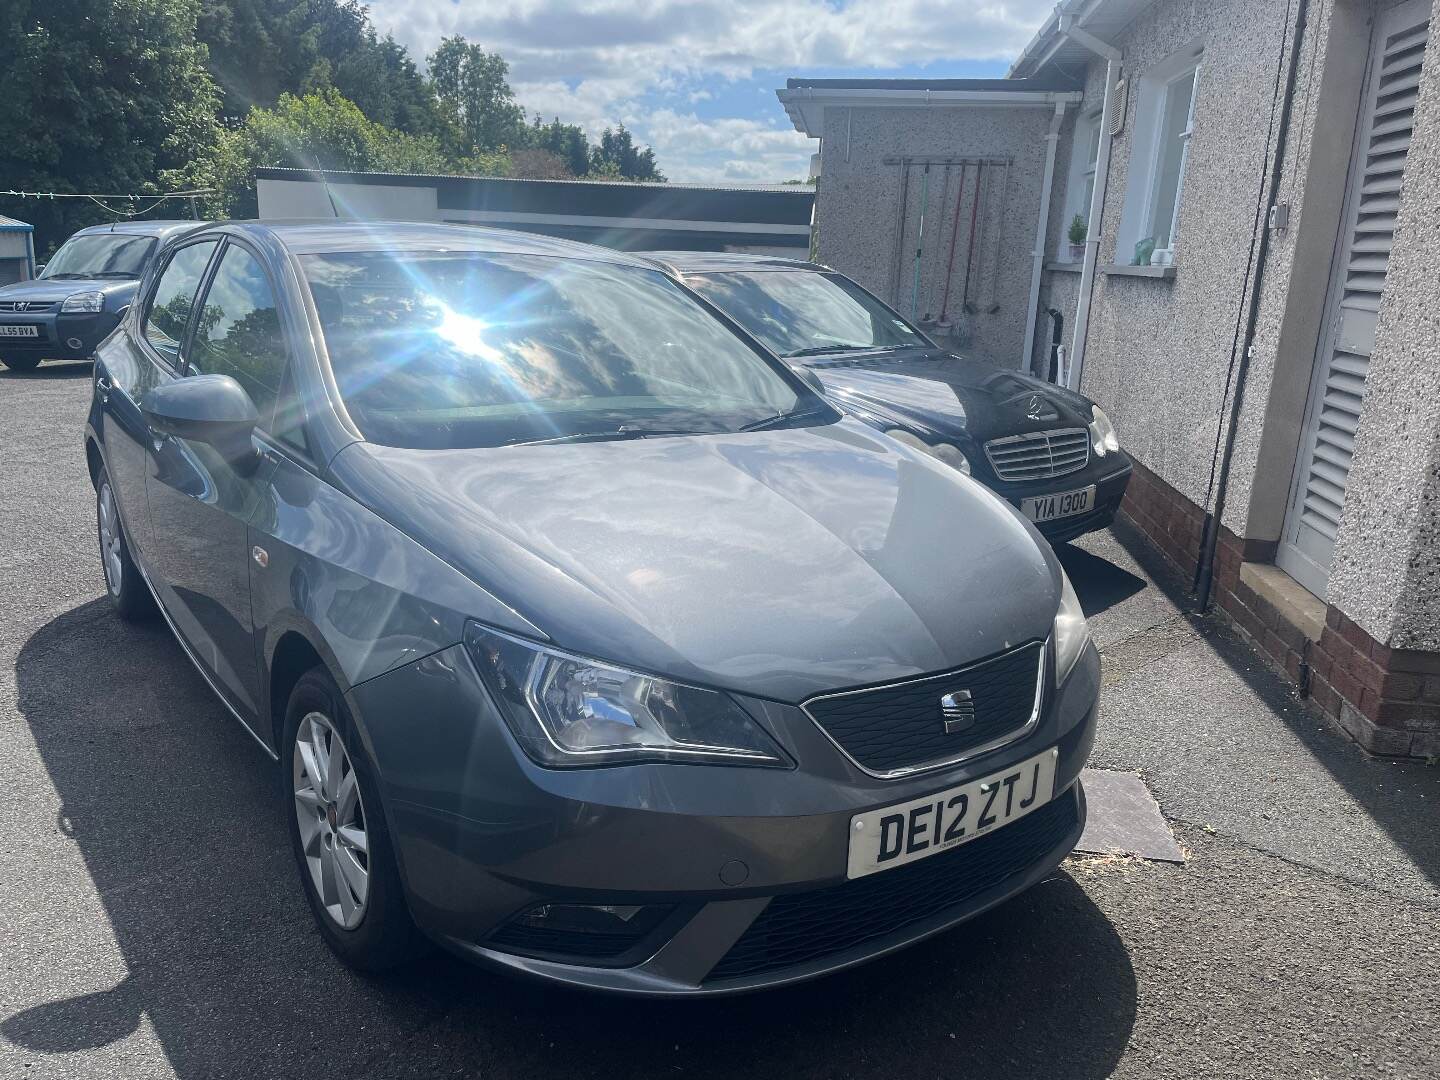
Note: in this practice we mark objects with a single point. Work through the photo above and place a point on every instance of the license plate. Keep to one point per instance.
(19, 331)
(1062, 504)
(895, 835)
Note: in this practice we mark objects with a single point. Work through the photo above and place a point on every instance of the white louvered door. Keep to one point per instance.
(1352, 307)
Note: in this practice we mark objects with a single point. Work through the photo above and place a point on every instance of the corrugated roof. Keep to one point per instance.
(11, 224)
(278, 173)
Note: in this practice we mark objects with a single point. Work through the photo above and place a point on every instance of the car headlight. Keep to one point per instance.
(84, 301)
(947, 452)
(567, 710)
(1102, 433)
(1071, 630)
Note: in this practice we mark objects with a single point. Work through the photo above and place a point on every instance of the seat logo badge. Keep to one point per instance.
(261, 557)
(957, 712)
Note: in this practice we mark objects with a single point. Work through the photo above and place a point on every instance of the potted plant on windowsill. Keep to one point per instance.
(1079, 230)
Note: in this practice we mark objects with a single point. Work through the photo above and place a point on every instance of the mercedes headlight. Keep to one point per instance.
(947, 452)
(1102, 433)
(1071, 631)
(568, 710)
(84, 301)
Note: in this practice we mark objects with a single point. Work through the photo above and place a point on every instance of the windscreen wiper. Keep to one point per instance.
(624, 432)
(821, 350)
(781, 418)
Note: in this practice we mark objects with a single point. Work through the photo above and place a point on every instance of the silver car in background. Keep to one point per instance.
(590, 641)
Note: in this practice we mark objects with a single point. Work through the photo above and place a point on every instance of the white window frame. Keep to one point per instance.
(1143, 187)
(1084, 161)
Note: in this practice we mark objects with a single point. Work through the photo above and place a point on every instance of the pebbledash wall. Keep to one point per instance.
(1159, 359)
(870, 226)
(1158, 355)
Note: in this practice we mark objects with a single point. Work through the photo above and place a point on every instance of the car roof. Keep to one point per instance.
(706, 262)
(160, 227)
(325, 236)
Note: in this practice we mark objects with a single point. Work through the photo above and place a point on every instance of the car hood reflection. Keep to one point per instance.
(780, 562)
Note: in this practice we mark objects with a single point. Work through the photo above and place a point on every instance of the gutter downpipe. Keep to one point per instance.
(1071, 29)
(1214, 521)
(1052, 139)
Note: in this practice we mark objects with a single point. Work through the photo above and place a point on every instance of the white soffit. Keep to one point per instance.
(805, 105)
(1106, 19)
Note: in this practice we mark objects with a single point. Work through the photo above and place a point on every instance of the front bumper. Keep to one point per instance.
(483, 834)
(1110, 475)
(59, 336)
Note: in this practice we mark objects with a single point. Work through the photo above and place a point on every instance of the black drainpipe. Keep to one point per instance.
(1205, 570)
(1057, 334)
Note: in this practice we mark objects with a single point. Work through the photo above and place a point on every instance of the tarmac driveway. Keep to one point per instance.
(150, 923)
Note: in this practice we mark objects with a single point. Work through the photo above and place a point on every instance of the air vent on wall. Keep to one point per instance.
(1118, 104)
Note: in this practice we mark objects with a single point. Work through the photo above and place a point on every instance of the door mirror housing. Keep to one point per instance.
(210, 409)
(39, 269)
(809, 378)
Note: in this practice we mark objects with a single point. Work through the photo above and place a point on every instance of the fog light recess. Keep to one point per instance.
(579, 932)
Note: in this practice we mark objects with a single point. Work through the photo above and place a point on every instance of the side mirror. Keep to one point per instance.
(211, 409)
(809, 378)
(39, 269)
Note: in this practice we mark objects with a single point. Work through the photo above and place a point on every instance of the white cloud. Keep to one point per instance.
(729, 149)
(598, 62)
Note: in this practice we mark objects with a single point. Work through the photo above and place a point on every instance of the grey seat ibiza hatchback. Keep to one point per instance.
(590, 641)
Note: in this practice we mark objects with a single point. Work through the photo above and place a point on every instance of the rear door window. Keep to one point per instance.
(174, 298)
(238, 332)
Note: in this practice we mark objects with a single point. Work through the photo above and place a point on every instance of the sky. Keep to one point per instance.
(696, 79)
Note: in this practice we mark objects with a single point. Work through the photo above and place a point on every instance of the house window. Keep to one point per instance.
(1084, 160)
(1164, 120)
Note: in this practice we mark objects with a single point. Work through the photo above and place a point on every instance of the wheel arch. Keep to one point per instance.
(292, 655)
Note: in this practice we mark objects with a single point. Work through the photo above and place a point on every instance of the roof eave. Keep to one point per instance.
(805, 105)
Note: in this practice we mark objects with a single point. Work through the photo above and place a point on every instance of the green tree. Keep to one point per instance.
(475, 98)
(616, 156)
(565, 141)
(260, 49)
(321, 130)
(105, 98)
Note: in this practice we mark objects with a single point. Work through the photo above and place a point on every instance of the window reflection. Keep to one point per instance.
(468, 349)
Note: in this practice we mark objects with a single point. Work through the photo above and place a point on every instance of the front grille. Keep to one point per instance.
(895, 728)
(27, 306)
(801, 927)
(1039, 455)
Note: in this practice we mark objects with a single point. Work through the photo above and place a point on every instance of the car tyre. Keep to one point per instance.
(337, 827)
(20, 363)
(127, 589)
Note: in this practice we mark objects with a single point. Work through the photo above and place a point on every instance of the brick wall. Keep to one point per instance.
(1387, 700)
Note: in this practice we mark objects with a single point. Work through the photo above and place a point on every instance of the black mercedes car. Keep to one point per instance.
(1051, 452)
(80, 295)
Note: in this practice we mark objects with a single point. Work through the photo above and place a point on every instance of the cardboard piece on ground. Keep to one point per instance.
(1124, 819)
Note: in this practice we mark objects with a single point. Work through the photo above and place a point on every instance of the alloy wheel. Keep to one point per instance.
(331, 815)
(110, 540)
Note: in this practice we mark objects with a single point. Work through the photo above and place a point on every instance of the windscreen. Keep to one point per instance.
(101, 255)
(804, 312)
(443, 349)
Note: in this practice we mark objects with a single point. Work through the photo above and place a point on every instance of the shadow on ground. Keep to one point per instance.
(1402, 797)
(51, 369)
(179, 820)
